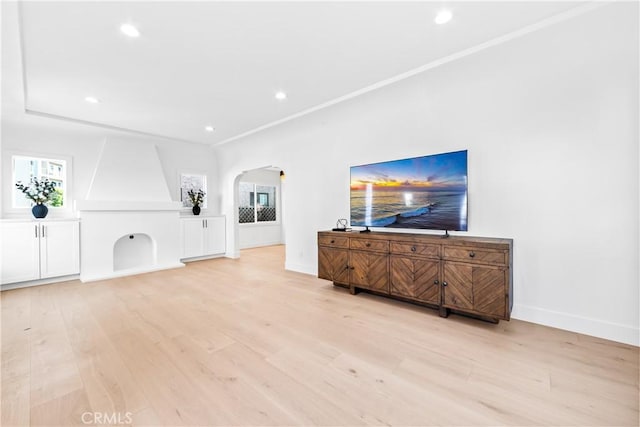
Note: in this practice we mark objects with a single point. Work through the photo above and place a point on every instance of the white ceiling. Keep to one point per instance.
(220, 63)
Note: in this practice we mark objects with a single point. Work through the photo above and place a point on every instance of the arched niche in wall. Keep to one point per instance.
(134, 251)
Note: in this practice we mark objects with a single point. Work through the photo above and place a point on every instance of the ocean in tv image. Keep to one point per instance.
(427, 192)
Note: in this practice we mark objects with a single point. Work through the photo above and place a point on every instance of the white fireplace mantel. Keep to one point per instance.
(130, 224)
(109, 236)
(119, 205)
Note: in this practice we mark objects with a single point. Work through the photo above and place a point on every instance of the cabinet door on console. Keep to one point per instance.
(215, 235)
(192, 237)
(369, 270)
(19, 251)
(481, 289)
(59, 248)
(415, 278)
(333, 264)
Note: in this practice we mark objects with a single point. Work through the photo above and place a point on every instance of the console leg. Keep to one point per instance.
(443, 312)
(353, 290)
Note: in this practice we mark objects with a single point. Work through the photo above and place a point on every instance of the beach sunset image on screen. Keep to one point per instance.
(428, 192)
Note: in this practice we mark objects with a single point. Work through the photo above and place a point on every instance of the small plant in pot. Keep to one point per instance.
(196, 197)
(40, 192)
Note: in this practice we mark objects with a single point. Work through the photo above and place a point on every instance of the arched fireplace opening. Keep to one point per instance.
(137, 250)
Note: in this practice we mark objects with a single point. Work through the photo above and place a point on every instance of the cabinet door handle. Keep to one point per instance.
(368, 245)
(333, 241)
(36, 228)
(206, 223)
(472, 254)
(353, 268)
(435, 282)
(347, 267)
(413, 248)
(444, 283)
(43, 229)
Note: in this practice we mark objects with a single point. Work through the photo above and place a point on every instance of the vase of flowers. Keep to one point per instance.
(196, 197)
(40, 192)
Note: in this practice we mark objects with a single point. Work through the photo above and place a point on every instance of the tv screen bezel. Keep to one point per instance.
(466, 193)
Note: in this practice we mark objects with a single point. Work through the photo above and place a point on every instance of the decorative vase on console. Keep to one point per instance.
(196, 197)
(41, 192)
(39, 210)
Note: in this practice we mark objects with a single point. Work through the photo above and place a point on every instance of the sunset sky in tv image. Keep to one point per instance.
(437, 172)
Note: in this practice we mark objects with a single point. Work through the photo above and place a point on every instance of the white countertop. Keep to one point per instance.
(32, 219)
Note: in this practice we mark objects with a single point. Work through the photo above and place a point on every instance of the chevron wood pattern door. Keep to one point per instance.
(457, 285)
(490, 291)
(415, 278)
(333, 264)
(480, 289)
(369, 270)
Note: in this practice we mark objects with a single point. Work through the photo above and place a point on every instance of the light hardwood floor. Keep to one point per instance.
(244, 343)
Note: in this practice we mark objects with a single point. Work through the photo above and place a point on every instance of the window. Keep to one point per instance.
(193, 182)
(257, 203)
(263, 199)
(27, 167)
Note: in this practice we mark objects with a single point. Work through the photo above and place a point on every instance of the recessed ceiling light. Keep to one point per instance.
(281, 96)
(209, 128)
(92, 99)
(443, 17)
(129, 30)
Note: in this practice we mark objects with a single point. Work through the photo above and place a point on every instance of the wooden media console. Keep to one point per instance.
(468, 275)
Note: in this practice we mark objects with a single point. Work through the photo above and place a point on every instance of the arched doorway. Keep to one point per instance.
(259, 217)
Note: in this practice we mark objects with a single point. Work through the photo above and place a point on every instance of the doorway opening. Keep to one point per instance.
(259, 217)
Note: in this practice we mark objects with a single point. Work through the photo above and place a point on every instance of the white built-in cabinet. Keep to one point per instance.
(33, 250)
(203, 236)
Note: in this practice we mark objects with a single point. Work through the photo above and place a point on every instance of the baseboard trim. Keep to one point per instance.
(301, 268)
(262, 245)
(202, 258)
(40, 282)
(584, 325)
(130, 272)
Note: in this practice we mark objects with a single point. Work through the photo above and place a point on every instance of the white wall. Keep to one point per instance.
(262, 234)
(551, 124)
(33, 134)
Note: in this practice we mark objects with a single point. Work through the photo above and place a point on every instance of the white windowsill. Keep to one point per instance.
(259, 224)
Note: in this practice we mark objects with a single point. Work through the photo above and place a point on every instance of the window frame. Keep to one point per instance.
(9, 189)
(205, 202)
(254, 198)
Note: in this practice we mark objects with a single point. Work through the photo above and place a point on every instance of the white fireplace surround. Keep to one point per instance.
(101, 257)
(129, 223)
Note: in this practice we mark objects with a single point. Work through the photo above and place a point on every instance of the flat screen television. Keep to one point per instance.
(428, 192)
